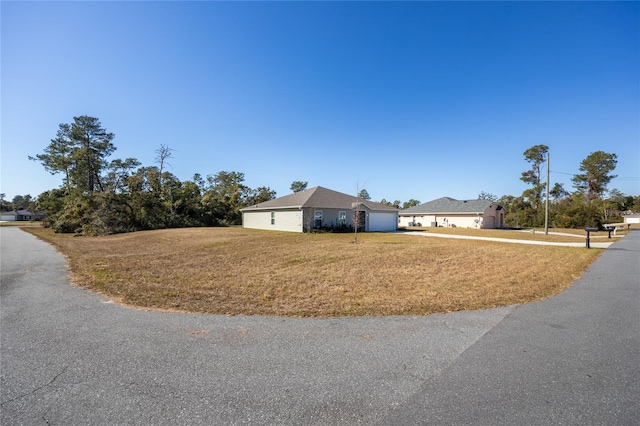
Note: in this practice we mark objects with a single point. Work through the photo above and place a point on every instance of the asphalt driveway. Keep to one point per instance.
(69, 356)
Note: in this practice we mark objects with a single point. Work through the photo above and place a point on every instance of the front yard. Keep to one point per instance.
(237, 271)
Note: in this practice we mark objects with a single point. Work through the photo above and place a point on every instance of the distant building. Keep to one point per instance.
(20, 215)
(317, 208)
(632, 218)
(450, 213)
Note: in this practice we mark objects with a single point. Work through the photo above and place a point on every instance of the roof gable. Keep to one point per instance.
(318, 197)
(449, 205)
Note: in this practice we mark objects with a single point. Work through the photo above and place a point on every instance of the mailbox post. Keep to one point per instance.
(588, 238)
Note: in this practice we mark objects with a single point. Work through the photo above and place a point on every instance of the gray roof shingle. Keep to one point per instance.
(449, 205)
(318, 197)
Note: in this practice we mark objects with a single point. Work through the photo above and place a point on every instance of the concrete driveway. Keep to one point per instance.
(69, 356)
(595, 242)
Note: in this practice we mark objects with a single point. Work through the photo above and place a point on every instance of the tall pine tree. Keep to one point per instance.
(79, 151)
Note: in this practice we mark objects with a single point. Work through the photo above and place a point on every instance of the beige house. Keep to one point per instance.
(319, 208)
(449, 212)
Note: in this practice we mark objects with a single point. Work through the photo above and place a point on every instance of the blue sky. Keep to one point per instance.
(405, 99)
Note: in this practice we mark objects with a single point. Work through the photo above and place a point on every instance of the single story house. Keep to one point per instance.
(319, 207)
(632, 218)
(449, 212)
(19, 215)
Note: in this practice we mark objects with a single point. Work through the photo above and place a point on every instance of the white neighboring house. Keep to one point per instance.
(449, 212)
(19, 215)
(316, 208)
(632, 218)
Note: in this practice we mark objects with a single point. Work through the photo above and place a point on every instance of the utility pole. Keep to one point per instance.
(546, 204)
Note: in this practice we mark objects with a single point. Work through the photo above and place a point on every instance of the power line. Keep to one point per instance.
(615, 178)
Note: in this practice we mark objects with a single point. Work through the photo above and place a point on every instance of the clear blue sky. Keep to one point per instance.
(407, 100)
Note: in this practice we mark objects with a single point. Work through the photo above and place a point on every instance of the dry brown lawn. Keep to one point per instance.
(21, 224)
(237, 271)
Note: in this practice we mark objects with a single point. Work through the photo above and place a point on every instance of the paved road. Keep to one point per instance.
(69, 356)
(573, 359)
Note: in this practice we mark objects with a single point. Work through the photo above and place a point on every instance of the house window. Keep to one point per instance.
(342, 218)
(317, 218)
(273, 218)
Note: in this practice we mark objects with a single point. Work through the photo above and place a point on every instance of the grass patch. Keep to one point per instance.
(237, 271)
(21, 223)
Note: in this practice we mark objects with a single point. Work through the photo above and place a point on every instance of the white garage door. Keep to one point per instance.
(382, 222)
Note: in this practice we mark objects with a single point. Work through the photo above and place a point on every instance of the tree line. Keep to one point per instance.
(100, 196)
(18, 202)
(590, 203)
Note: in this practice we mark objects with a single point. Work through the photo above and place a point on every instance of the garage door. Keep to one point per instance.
(489, 222)
(382, 222)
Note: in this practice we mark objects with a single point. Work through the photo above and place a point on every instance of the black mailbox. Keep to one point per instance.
(610, 229)
(588, 239)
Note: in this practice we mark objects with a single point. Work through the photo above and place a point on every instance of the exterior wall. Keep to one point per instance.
(256, 220)
(375, 221)
(422, 218)
(285, 220)
(460, 220)
(329, 216)
(491, 218)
